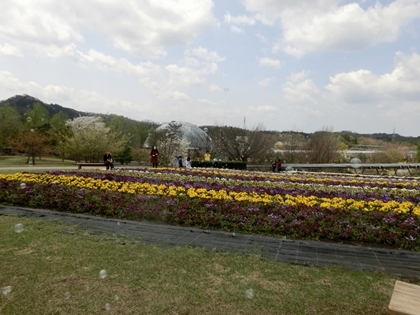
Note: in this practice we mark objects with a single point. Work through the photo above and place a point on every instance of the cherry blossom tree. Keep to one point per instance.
(89, 138)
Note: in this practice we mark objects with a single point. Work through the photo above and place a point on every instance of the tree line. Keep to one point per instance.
(86, 138)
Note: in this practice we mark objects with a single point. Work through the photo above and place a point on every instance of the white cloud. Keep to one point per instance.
(10, 50)
(187, 72)
(265, 109)
(269, 62)
(215, 88)
(183, 75)
(266, 81)
(298, 76)
(69, 96)
(186, 76)
(236, 29)
(261, 38)
(207, 102)
(241, 19)
(142, 28)
(388, 91)
(109, 63)
(36, 22)
(272, 11)
(301, 92)
(12, 84)
(176, 96)
(203, 53)
(361, 96)
(319, 25)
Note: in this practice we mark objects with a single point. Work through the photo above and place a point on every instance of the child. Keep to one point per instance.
(179, 158)
(188, 163)
(274, 166)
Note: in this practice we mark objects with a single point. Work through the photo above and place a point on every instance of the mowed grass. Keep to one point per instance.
(53, 268)
(19, 160)
(17, 163)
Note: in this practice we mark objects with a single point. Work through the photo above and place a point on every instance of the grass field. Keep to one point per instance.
(17, 163)
(54, 268)
(20, 161)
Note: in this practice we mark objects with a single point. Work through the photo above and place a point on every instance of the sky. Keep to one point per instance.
(301, 65)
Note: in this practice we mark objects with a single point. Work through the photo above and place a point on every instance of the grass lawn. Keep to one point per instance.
(54, 268)
(17, 163)
(20, 161)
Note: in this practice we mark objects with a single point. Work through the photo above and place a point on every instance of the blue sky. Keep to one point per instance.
(302, 65)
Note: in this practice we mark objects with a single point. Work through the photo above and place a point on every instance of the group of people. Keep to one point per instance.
(187, 163)
(108, 160)
(276, 166)
(154, 158)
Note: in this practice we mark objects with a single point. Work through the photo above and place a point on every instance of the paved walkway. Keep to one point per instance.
(405, 264)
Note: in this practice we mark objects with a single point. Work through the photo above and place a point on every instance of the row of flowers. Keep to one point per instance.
(126, 184)
(269, 203)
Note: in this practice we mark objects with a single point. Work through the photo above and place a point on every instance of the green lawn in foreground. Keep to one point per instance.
(54, 269)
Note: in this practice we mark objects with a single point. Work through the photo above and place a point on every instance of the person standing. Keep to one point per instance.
(188, 163)
(279, 166)
(179, 158)
(274, 165)
(154, 156)
(207, 156)
(108, 161)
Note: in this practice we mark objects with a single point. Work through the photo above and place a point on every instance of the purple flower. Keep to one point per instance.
(411, 238)
(253, 209)
(410, 221)
(389, 219)
(318, 214)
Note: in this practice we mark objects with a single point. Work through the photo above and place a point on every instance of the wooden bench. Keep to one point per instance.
(79, 165)
(405, 299)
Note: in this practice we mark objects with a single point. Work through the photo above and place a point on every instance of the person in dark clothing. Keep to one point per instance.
(154, 156)
(179, 158)
(274, 166)
(279, 165)
(108, 160)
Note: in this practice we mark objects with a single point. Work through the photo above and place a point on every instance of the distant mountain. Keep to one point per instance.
(24, 103)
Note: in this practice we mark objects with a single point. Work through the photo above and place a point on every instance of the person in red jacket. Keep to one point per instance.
(279, 165)
(154, 156)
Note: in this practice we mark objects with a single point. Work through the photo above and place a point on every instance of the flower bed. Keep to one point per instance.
(360, 209)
